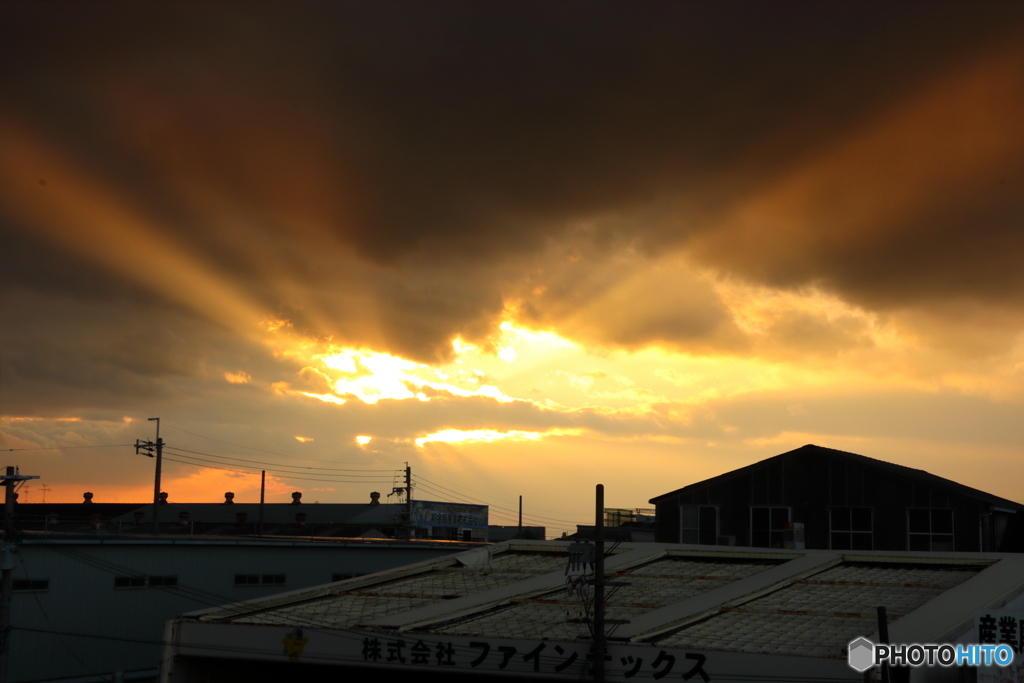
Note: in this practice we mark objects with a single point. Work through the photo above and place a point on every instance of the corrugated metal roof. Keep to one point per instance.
(758, 602)
(341, 608)
(820, 615)
(653, 585)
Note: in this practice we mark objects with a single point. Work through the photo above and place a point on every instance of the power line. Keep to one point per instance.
(483, 502)
(509, 515)
(64, 448)
(508, 511)
(263, 462)
(251, 448)
(280, 473)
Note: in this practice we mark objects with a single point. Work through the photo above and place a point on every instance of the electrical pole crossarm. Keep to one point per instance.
(17, 477)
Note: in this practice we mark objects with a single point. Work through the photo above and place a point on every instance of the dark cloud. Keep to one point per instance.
(942, 417)
(920, 204)
(387, 174)
(801, 335)
(626, 299)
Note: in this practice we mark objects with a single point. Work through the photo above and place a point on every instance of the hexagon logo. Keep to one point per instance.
(861, 654)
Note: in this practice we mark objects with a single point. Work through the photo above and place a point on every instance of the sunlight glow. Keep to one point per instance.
(488, 435)
(303, 439)
(461, 346)
(274, 324)
(521, 335)
(326, 398)
(371, 376)
(237, 377)
(363, 440)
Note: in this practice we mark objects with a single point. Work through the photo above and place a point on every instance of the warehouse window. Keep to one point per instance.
(144, 581)
(31, 585)
(930, 529)
(163, 581)
(850, 528)
(768, 526)
(129, 582)
(259, 579)
(698, 524)
(344, 575)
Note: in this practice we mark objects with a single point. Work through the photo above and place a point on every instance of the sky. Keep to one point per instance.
(524, 247)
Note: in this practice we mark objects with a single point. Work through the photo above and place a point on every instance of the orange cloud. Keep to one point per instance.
(44, 187)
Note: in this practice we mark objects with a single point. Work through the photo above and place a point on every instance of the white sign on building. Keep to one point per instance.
(1006, 628)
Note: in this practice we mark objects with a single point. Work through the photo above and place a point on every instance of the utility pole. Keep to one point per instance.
(519, 532)
(7, 565)
(599, 640)
(408, 498)
(883, 637)
(263, 493)
(149, 448)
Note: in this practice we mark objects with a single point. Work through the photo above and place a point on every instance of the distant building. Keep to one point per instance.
(69, 517)
(818, 497)
(621, 524)
(430, 519)
(348, 520)
(497, 534)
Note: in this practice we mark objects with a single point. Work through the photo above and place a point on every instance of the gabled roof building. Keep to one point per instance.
(815, 497)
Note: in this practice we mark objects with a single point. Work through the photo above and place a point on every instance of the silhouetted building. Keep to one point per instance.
(818, 497)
